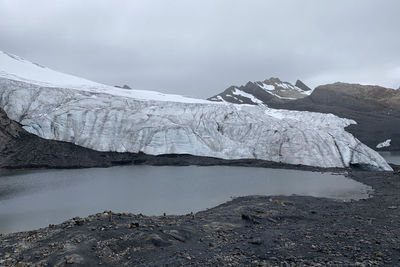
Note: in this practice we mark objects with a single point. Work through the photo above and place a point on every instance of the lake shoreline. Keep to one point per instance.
(247, 230)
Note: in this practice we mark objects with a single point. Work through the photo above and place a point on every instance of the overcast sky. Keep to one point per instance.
(199, 48)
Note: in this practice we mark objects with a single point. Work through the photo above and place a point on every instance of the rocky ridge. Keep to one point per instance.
(270, 90)
(302, 86)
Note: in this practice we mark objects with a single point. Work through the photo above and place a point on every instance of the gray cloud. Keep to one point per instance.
(198, 48)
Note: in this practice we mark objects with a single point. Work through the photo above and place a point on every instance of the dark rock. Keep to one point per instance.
(256, 241)
(175, 234)
(272, 220)
(246, 217)
(79, 221)
(123, 87)
(250, 218)
(302, 86)
(157, 241)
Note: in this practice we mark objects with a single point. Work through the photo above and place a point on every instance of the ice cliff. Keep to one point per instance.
(57, 106)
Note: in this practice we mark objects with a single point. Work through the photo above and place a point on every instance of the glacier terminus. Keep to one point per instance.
(62, 107)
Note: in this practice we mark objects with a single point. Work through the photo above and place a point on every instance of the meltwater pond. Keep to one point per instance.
(35, 199)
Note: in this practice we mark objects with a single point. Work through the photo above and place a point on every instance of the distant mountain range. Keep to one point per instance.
(375, 109)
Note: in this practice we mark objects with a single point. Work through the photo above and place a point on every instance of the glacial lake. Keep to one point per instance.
(391, 156)
(35, 199)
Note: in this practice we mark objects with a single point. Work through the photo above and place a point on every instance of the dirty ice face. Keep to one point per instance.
(105, 118)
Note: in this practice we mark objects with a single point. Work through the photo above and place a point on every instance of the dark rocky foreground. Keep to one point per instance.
(277, 231)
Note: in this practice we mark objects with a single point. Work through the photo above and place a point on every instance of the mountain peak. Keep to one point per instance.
(272, 89)
(302, 86)
(273, 80)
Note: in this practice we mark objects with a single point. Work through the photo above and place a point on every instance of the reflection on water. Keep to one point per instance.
(391, 156)
(36, 199)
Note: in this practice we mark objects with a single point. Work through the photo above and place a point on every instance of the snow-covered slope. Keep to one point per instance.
(19, 69)
(384, 144)
(262, 92)
(103, 118)
(283, 90)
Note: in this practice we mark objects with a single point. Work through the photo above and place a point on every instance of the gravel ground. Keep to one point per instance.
(255, 230)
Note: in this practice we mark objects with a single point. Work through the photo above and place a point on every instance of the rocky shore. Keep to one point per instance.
(254, 230)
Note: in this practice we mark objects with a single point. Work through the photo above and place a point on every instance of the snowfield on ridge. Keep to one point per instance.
(62, 107)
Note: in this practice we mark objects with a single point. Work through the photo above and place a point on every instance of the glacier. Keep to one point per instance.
(62, 107)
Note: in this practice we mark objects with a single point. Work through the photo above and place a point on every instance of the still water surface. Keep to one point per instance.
(391, 156)
(35, 199)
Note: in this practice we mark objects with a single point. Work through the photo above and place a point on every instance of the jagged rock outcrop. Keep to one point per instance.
(302, 86)
(254, 93)
(123, 87)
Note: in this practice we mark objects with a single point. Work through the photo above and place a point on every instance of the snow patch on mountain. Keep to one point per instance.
(282, 90)
(255, 93)
(309, 92)
(249, 96)
(267, 87)
(384, 144)
(281, 97)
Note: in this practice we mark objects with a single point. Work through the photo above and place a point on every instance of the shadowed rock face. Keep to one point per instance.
(302, 86)
(8, 129)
